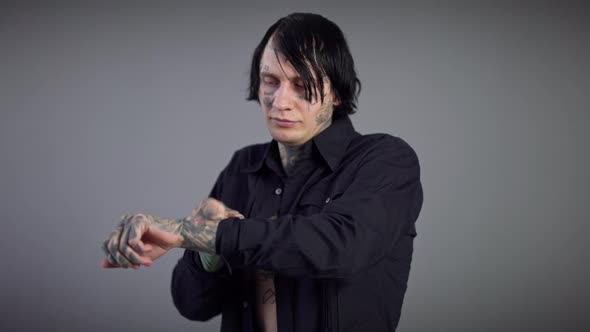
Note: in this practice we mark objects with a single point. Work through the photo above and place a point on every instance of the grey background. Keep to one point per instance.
(109, 109)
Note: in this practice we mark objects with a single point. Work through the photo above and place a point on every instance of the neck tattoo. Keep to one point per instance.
(289, 155)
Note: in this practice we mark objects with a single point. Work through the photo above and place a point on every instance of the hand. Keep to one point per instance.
(139, 239)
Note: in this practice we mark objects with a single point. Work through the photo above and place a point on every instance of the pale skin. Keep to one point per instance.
(291, 120)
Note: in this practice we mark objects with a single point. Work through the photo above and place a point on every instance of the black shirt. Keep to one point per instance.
(338, 233)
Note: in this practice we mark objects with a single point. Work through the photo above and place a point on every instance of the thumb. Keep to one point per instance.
(161, 238)
(233, 213)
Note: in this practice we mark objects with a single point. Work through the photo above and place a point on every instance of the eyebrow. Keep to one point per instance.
(264, 73)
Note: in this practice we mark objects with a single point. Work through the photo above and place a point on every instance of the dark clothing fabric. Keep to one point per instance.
(338, 233)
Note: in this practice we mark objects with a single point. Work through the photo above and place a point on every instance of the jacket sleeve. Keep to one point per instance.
(196, 293)
(350, 233)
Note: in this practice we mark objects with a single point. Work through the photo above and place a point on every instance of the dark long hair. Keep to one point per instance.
(311, 40)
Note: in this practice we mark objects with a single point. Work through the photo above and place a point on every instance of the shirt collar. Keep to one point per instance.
(334, 140)
(331, 143)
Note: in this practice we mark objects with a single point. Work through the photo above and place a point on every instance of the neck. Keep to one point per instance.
(289, 155)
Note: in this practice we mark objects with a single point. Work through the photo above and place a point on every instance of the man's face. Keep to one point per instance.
(290, 118)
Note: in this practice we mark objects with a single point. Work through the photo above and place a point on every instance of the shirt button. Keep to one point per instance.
(245, 304)
(278, 191)
(327, 200)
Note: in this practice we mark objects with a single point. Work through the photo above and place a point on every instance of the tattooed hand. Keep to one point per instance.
(139, 239)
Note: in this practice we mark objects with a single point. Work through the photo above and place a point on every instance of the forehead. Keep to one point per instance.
(274, 62)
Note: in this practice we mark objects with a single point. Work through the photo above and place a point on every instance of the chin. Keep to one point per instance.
(284, 138)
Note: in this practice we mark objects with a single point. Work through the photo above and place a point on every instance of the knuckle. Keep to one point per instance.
(137, 225)
(133, 242)
(138, 249)
(123, 261)
(135, 245)
(112, 259)
(134, 258)
(113, 248)
(127, 252)
(123, 247)
(205, 203)
(105, 250)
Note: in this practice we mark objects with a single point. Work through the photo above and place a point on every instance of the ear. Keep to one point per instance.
(335, 101)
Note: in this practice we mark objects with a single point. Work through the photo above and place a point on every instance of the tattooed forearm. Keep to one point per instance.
(199, 235)
(199, 230)
(195, 232)
(141, 238)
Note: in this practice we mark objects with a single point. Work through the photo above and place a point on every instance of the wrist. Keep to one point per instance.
(198, 234)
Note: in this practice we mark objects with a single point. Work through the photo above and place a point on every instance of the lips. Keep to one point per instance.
(283, 122)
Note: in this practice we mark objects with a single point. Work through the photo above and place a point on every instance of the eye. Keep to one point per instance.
(269, 81)
(299, 86)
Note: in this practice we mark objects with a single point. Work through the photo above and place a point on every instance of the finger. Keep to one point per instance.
(135, 241)
(108, 244)
(124, 247)
(112, 247)
(233, 213)
(108, 265)
(108, 262)
(212, 209)
(118, 257)
(123, 218)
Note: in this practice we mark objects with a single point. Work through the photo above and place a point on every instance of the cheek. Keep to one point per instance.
(266, 98)
(267, 101)
(320, 115)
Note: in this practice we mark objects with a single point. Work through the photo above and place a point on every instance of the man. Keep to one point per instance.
(320, 232)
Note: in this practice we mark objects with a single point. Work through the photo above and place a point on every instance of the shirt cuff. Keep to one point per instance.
(226, 241)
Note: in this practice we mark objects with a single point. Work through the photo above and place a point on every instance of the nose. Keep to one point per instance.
(284, 98)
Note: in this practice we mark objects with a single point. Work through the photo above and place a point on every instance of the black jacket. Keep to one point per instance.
(347, 236)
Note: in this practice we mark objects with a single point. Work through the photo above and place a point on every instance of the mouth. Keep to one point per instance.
(283, 122)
